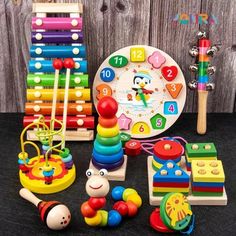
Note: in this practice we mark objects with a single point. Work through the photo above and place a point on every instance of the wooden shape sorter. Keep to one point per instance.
(193, 199)
(148, 85)
(59, 37)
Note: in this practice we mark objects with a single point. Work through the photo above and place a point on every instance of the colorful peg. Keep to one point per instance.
(56, 215)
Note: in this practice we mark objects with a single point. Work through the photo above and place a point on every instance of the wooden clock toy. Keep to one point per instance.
(148, 85)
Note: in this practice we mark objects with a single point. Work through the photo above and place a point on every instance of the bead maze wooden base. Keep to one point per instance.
(71, 135)
(193, 200)
(116, 175)
(34, 179)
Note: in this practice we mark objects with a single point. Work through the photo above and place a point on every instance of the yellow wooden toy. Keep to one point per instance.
(51, 170)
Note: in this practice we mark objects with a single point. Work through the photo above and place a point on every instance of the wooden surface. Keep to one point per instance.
(113, 24)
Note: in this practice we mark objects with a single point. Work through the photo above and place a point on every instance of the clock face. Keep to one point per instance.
(148, 85)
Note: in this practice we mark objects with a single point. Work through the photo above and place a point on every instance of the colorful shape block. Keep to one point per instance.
(107, 74)
(201, 150)
(158, 121)
(171, 172)
(137, 54)
(170, 108)
(208, 171)
(118, 61)
(174, 89)
(124, 122)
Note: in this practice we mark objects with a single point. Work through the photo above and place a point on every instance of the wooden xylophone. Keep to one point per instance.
(58, 37)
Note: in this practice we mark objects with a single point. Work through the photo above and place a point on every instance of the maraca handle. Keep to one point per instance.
(202, 112)
(29, 196)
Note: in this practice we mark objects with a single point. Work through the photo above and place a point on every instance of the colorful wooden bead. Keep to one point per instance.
(132, 209)
(127, 192)
(104, 215)
(93, 221)
(87, 210)
(114, 218)
(117, 193)
(132, 148)
(121, 207)
(97, 203)
(135, 198)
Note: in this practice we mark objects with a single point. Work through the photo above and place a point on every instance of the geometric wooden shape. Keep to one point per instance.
(174, 89)
(193, 200)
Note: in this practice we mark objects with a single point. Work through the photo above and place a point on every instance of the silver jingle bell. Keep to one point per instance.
(211, 70)
(210, 86)
(201, 34)
(193, 68)
(192, 84)
(213, 50)
(193, 51)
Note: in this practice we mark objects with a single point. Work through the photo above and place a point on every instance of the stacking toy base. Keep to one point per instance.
(116, 175)
(71, 135)
(193, 200)
(34, 179)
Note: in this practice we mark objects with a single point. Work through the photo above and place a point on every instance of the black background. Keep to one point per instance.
(18, 217)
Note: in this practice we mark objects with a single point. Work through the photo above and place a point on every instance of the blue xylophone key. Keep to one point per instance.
(45, 66)
(58, 51)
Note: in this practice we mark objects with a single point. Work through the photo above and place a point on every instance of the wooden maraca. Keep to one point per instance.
(56, 215)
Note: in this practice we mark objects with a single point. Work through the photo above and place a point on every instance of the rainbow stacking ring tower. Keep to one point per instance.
(59, 38)
(108, 152)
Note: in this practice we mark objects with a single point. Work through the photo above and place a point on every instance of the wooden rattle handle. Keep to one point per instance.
(202, 112)
(29, 196)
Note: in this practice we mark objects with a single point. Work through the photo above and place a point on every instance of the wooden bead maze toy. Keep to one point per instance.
(55, 38)
(108, 152)
(52, 169)
(198, 174)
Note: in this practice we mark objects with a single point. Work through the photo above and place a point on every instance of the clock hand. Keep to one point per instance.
(140, 92)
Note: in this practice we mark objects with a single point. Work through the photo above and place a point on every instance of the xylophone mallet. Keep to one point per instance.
(68, 64)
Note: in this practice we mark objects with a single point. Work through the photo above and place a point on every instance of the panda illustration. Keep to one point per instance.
(142, 80)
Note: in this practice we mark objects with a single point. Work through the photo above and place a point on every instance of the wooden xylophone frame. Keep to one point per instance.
(79, 111)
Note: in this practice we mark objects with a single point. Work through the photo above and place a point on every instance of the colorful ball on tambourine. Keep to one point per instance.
(107, 107)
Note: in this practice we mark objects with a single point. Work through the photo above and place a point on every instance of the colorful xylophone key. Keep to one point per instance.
(46, 66)
(45, 108)
(73, 122)
(48, 80)
(47, 94)
(65, 37)
(58, 51)
(57, 23)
